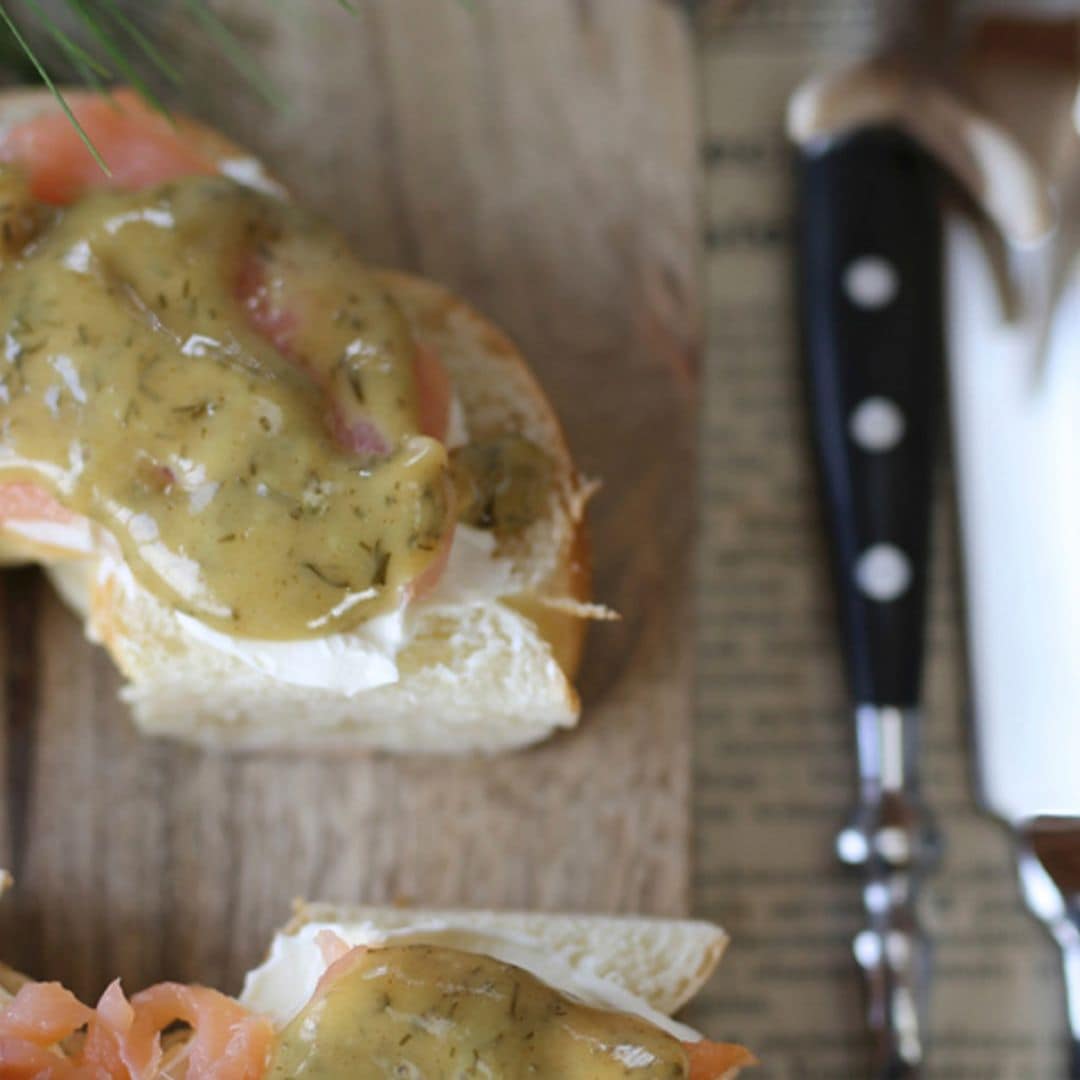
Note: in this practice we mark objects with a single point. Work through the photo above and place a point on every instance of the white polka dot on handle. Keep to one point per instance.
(876, 424)
(871, 281)
(883, 572)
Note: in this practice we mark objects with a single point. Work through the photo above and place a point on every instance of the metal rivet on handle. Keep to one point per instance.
(883, 572)
(876, 424)
(871, 282)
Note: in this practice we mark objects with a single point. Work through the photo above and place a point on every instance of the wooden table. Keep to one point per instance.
(541, 159)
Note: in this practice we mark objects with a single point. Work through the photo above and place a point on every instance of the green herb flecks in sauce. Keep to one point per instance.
(426, 1011)
(502, 484)
(214, 377)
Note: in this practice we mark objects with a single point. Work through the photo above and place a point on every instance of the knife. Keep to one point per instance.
(1015, 375)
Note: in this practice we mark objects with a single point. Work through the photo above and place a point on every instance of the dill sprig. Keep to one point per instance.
(232, 50)
(117, 48)
(113, 47)
(47, 79)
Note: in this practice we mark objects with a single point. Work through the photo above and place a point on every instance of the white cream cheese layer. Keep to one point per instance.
(75, 536)
(365, 658)
(345, 663)
(284, 983)
(349, 663)
(249, 171)
(362, 659)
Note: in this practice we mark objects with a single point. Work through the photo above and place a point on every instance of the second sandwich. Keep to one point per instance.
(376, 993)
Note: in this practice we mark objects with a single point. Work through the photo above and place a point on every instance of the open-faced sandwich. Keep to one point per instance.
(375, 994)
(299, 500)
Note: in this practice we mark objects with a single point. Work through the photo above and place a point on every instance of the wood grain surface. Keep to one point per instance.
(541, 159)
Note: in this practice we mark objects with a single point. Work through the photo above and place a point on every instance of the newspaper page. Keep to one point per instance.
(774, 764)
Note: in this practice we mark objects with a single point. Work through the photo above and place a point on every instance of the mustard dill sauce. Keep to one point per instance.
(135, 389)
(421, 1011)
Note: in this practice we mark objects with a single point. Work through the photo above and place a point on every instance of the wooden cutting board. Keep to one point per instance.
(541, 159)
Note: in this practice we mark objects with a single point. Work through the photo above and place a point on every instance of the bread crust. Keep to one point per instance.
(663, 961)
(571, 578)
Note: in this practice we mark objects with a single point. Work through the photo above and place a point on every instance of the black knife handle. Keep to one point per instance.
(871, 309)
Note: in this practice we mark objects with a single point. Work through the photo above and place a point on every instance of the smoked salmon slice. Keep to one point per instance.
(140, 147)
(28, 502)
(713, 1060)
(123, 1038)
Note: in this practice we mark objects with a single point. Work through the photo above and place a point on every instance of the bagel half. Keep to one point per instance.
(645, 967)
(485, 663)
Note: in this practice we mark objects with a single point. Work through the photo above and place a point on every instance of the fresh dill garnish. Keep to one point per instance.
(114, 45)
(89, 67)
(46, 78)
(233, 51)
(91, 17)
(143, 42)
